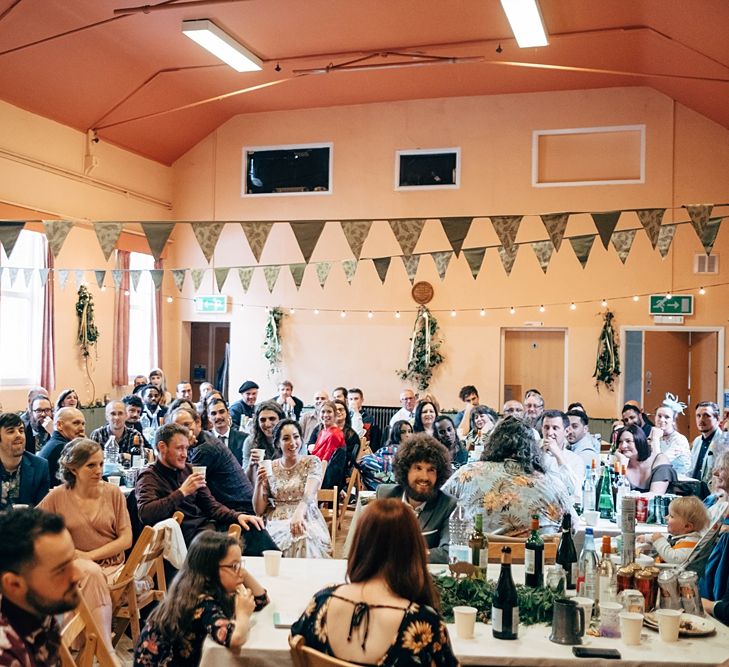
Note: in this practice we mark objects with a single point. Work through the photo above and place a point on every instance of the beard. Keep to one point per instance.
(45, 607)
(421, 496)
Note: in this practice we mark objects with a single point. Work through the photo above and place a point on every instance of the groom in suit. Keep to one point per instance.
(219, 418)
(421, 467)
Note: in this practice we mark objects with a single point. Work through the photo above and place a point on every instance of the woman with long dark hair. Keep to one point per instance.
(426, 412)
(375, 469)
(389, 595)
(647, 470)
(265, 418)
(211, 595)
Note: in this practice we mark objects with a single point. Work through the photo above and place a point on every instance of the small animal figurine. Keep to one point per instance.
(461, 568)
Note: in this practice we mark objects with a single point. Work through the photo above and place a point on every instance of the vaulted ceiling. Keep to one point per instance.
(135, 78)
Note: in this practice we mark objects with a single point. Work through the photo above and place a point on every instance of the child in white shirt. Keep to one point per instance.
(687, 519)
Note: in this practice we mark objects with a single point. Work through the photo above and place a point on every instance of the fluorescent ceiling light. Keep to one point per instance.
(526, 22)
(222, 45)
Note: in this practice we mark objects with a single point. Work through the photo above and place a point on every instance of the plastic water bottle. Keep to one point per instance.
(588, 492)
(587, 566)
(460, 529)
(111, 456)
(623, 490)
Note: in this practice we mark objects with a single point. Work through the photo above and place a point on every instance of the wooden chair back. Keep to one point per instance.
(234, 530)
(517, 551)
(302, 656)
(328, 500)
(82, 625)
(354, 484)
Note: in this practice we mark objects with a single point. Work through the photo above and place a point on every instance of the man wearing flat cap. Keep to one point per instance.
(246, 406)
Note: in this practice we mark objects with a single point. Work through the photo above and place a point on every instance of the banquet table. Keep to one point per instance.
(299, 579)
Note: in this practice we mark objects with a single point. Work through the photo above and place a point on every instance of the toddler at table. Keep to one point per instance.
(687, 519)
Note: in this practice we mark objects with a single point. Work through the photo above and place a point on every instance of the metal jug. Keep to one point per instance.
(568, 622)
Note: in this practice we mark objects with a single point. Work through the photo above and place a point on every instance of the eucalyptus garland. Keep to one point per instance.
(607, 366)
(271, 347)
(88, 333)
(424, 350)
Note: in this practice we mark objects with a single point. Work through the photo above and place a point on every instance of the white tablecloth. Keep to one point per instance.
(300, 579)
(605, 527)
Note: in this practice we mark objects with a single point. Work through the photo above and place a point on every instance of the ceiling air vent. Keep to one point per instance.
(706, 263)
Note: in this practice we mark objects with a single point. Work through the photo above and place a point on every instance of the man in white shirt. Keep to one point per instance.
(408, 401)
(581, 440)
(354, 402)
(310, 420)
(560, 460)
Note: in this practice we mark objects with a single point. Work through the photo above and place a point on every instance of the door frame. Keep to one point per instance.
(565, 374)
(681, 329)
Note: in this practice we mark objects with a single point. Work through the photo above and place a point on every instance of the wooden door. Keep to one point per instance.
(535, 359)
(703, 364)
(666, 370)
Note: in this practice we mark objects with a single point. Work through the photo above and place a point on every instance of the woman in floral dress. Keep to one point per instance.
(287, 499)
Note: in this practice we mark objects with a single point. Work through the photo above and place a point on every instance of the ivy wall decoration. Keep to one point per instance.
(424, 356)
(271, 347)
(607, 366)
(88, 333)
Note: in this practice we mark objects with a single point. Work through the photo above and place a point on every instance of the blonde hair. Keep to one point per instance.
(691, 510)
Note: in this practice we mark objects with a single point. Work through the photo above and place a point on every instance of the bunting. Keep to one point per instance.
(256, 235)
(442, 259)
(197, 278)
(116, 276)
(297, 273)
(178, 276)
(381, 266)
(271, 274)
(708, 236)
(582, 246)
(411, 266)
(220, 277)
(606, 223)
(27, 276)
(475, 257)
(207, 235)
(556, 225)
(322, 272)
(245, 276)
(79, 275)
(543, 251)
(407, 233)
(349, 266)
(508, 257)
(62, 277)
(651, 219)
(506, 228)
(13, 271)
(107, 234)
(56, 233)
(622, 242)
(157, 275)
(356, 232)
(9, 232)
(135, 275)
(43, 275)
(699, 214)
(456, 230)
(157, 234)
(100, 277)
(307, 235)
(665, 237)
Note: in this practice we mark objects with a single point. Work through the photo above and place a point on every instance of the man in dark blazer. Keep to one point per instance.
(219, 417)
(38, 422)
(23, 476)
(421, 467)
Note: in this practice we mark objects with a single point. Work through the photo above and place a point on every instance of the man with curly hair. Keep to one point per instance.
(421, 467)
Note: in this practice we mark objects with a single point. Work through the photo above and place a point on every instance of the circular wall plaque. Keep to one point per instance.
(422, 293)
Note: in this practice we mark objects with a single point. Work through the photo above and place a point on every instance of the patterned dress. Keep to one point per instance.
(26, 640)
(675, 448)
(509, 497)
(422, 638)
(286, 492)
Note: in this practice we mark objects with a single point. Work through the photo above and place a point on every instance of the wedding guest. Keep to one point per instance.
(23, 476)
(647, 471)
(265, 418)
(425, 414)
(68, 398)
(665, 439)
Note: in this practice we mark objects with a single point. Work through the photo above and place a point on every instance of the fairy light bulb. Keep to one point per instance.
(126, 292)
(292, 311)
(603, 303)
(343, 314)
(370, 314)
(669, 295)
(397, 314)
(103, 288)
(702, 291)
(636, 298)
(482, 313)
(316, 311)
(453, 313)
(169, 299)
(542, 309)
(512, 311)
(573, 306)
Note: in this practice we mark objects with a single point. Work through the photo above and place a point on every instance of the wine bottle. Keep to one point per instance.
(505, 605)
(136, 451)
(534, 557)
(566, 552)
(479, 545)
(606, 575)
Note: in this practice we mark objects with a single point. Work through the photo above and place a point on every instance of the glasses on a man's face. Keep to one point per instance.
(42, 411)
(235, 567)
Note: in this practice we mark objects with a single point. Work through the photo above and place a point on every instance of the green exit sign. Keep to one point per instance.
(660, 304)
(211, 305)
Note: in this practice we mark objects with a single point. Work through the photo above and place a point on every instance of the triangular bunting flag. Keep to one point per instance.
(411, 266)
(456, 229)
(297, 273)
(543, 250)
(27, 276)
(207, 235)
(555, 224)
(157, 275)
(508, 257)
(622, 242)
(256, 235)
(356, 231)
(79, 275)
(441, 259)
(100, 277)
(220, 276)
(322, 272)
(381, 266)
(13, 274)
(407, 233)
(651, 218)
(582, 246)
(116, 276)
(56, 233)
(606, 223)
(708, 236)
(108, 234)
(135, 275)
(43, 274)
(699, 214)
(349, 266)
(665, 237)
(157, 234)
(9, 232)
(197, 278)
(506, 228)
(178, 275)
(474, 257)
(245, 276)
(307, 234)
(62, 277)
(271, 274)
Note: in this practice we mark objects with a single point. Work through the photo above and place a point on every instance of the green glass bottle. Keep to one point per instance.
(605, 503)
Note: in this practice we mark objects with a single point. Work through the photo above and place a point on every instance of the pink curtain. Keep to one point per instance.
(158, 317)
(48, 346)
(120, 351)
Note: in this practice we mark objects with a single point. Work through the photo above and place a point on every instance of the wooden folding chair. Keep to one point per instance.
(302, 656)
(324, 497)
(82, 625)
(354, 483)
(234, 530)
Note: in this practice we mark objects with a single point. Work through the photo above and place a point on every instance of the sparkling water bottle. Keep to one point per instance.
(460, 529)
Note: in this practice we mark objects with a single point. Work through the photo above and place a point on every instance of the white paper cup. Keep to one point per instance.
(272, 561)
(631, 624)
(200, 470)
(20, 506)
(669, 621)
(257, 455)
(587, 605)
(114, 479)
(266, 465)
(591, 517)
(465, 618)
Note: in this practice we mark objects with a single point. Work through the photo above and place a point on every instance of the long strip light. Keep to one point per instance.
(222, 45)
(526, 22)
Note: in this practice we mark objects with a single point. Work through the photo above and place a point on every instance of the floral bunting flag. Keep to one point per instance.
(508, 257)
(197, 278)
(135, 275)
(622, 242)
(62, 277)
(543, 251)
(9, 232)
(606, 223)
(381, 266)
(699, 214)
(107, 233)
(356, 232)
(297, 273)
(349, 266)
(555, 224)
(256, 235)
(56, 233)
(43, 275)
(456, 230)
(157, 234)
(207, 235)
(13, 271)
(100, 275)
(506, 228)
(116, 276)
(651, 219)
(220, 277)
(245, 275)
(271, 274)
(665, 237)
(582, 245)
(474, 257)
(157, 275)
(411, 266)
(407, 233)
(708, 236)
(27, 276)
(307, 235)
(442, 259)
(322, 272)
(178, 276)
(79, 275)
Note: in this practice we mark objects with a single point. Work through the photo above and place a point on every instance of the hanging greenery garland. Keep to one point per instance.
(607, 366)
(424, 350)
(271, 347)
(88, 334)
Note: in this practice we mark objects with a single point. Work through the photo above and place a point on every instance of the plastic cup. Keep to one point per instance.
(610, 619)
(669, 621)
(587, 605)
(115, 480)
(465, 618)
(631, 624)
(591, 517)
(266, 465)
(199, 470)
(272, 562)
(257, 455)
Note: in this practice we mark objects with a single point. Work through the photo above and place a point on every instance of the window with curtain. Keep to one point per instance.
(21, 312)
(143, 326)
